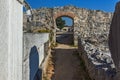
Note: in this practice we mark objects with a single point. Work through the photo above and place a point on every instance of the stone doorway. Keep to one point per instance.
(64, 30)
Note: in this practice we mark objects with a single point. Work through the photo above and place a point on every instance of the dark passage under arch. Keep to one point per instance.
(64, 30)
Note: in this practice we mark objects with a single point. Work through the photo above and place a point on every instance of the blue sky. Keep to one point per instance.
(68, 21)
(105, 5)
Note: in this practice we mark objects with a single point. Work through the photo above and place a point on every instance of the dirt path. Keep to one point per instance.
(67, 63)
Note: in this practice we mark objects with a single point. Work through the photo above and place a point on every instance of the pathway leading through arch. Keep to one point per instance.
(68, 65)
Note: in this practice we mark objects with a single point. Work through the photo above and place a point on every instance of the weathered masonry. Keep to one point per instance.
(91, 30)
(109, 70)
(85, 20)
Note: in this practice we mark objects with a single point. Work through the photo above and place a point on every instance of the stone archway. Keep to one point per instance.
(69, 14)
(64, 14)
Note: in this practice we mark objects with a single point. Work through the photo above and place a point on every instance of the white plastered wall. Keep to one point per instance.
(11, 22)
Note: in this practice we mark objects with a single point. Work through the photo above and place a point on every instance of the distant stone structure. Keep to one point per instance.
(67, 29)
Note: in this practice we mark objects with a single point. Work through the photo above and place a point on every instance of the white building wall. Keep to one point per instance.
(41, 55)
(10, 40)
(4, 39)
(30, 40)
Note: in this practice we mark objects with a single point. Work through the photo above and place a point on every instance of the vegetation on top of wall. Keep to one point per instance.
(42, 31)
(51, 34)
(60, 22)
(53, 45)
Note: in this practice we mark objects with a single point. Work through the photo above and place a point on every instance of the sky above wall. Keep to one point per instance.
(105, 5)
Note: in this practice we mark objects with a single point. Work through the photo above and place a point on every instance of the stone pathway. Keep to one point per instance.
(67, 63)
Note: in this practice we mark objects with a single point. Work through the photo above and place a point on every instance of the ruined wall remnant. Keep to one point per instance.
(98, 61)
(91, 27)
(87, 23)
(98, 58)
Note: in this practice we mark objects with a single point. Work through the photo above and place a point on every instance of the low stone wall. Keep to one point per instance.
(100, 42)
(97, 67)
(35, 50)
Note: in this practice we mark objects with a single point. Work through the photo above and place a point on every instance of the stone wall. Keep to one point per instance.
(11, 40)
(91, 27)
(40, 41)
(87, 23)
(93, 45)
(96, 50)
(98, 67)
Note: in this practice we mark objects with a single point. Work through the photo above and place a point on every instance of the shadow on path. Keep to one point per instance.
(67, 64)
(65, 39)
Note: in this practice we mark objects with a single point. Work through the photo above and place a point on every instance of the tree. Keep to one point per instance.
(60, 23)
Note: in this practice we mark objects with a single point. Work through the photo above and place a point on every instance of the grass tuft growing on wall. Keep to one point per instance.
(41, 31)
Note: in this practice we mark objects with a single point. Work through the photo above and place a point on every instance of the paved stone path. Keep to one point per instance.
(67, 64)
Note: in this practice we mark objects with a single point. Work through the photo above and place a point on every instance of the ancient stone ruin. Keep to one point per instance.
(87, 23)
(25, 56)
(91, 30)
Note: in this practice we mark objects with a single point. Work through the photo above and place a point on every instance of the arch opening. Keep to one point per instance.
(64, 30)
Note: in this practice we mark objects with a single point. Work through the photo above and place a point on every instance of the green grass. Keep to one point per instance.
(43, 31)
